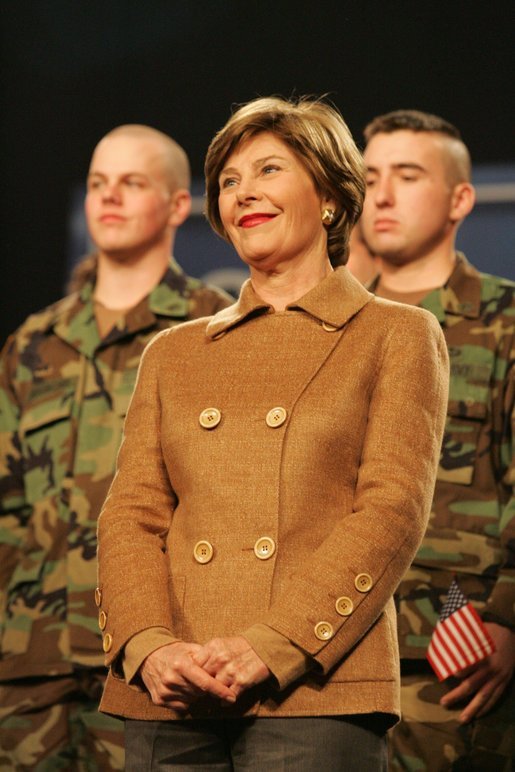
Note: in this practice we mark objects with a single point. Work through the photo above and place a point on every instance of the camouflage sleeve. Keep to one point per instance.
(14, 510)
(501, 603)
(207, 301)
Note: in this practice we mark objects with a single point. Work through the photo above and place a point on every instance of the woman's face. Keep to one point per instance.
(269, 206)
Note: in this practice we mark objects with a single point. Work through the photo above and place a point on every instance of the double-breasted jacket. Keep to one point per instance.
(277, 469)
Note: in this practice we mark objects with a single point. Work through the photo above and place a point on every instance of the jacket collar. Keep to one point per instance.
(461, 294)
(334, 301)
(74, 321)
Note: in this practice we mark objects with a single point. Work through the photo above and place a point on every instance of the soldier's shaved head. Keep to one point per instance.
(176, 166)
(454, 151)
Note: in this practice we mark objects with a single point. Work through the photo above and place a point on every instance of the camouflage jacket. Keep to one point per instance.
(63, 397)
(471, 531)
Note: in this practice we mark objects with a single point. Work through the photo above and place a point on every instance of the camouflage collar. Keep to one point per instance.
(460, 296)
(334, 301)
(74, 317)
(170, 296)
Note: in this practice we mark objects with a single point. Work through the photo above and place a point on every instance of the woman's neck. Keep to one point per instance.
(288, 283)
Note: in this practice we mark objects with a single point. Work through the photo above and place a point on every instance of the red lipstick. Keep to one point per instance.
(257, 218)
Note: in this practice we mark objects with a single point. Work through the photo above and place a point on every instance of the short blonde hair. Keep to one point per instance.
(175, 163)
(320, 138)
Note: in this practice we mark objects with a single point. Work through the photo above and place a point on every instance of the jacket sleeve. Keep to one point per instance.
(14, 509)
(365, 556)
(500, 606)
(141, 486)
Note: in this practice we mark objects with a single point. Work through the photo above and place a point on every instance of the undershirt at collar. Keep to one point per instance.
(410, 298)
(106, 318)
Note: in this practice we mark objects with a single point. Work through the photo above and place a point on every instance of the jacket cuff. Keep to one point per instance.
(137, 650)
(285, 661)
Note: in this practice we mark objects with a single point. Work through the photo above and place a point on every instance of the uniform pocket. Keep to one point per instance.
(459, 447)
(469, 394)
(22, 596)
(45, 436)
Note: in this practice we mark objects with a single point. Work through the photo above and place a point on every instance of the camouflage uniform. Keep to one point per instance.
(63, 397)
(471, 532)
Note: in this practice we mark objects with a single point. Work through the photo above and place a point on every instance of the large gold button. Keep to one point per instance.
(102, 620)
(324, 631)
(344, 606)
(98, 596)
(264, 548)
(329, 327)
(203, 551)
(363, 582)
(276, 417)
(210, 417)
(107, 642)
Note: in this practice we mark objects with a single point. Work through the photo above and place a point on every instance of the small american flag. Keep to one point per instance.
(460, 638)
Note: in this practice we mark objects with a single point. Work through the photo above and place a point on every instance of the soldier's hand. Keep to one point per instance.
(175, 680)
(485, 682)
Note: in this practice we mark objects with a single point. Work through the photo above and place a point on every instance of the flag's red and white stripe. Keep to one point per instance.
(460, 638)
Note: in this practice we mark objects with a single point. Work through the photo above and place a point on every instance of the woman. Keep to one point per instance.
(274, 481)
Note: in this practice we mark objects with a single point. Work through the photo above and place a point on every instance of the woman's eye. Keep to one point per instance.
(270, 168)
(228, 182)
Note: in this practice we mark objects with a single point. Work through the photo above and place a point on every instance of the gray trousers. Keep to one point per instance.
(332, 744)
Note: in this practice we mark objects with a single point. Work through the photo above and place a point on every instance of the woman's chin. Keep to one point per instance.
(261, 261)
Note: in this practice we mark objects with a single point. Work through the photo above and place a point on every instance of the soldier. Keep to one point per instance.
(418, 192)
(362, 264)
(67, 375)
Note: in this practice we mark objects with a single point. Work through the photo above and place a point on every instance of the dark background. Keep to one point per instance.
(73, 69)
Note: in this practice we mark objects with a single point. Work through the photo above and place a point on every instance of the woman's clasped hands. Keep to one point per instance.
(181, 673)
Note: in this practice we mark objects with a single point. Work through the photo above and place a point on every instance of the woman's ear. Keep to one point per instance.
(327, 202)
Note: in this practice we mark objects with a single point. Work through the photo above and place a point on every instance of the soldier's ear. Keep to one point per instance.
(180, 207)
(462, 201)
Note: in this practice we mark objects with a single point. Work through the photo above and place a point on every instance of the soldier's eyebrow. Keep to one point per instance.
(410, 166)
(124, 176)
(96, 176)
(401, 166)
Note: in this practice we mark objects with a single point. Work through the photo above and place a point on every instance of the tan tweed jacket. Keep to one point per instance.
(278, 469)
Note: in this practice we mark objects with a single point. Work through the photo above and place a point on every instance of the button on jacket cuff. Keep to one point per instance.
(139, 647)
(285, 661)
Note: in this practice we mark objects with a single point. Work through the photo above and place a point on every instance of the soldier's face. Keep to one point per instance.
(408, 210)
(129, 207)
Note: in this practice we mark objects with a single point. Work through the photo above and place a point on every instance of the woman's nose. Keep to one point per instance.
(247, 191)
